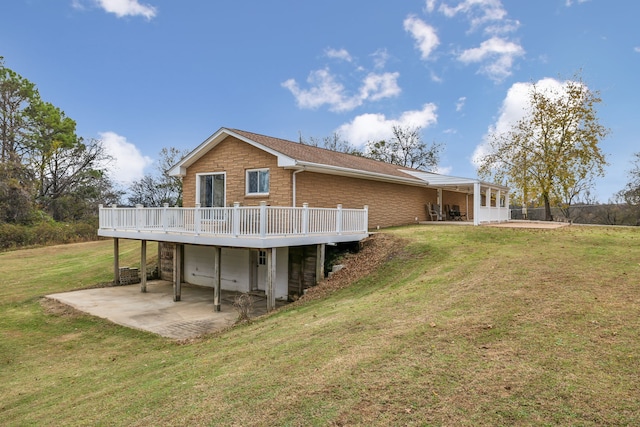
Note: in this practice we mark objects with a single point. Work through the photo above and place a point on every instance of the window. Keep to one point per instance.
(262, 257)
(210, 192)
(258, 181)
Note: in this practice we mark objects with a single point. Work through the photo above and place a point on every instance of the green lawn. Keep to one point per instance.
(466, 326)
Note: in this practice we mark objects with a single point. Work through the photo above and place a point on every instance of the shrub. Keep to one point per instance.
(14, 236)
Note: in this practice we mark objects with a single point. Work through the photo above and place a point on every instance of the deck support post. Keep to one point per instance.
(320, 254)
(477, 198)
(271, 279)
(217, 268)
(177, 273)
(143, 266)
(116, 261)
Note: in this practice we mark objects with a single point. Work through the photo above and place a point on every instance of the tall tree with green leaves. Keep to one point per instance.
(44, 165)
(552, 153)
(16, 94)
(51, 138)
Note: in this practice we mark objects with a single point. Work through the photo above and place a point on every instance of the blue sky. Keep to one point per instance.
(147, 74)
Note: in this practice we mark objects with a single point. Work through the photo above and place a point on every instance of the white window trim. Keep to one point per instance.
(198, 175)
(246, 179)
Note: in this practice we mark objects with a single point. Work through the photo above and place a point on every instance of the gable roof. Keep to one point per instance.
(293, 155)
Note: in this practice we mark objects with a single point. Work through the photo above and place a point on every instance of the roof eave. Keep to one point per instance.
(357, 173)
(180, 168)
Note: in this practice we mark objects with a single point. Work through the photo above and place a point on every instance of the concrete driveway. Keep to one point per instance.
(155, 311)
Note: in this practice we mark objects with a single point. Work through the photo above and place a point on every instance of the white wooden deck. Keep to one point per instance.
(240, 226)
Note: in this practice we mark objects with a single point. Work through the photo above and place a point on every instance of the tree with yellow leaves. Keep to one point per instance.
(552, 154)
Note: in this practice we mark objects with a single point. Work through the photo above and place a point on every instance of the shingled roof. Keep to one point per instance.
(322, 156)
(295, 155)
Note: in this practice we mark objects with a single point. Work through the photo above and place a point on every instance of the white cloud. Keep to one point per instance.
(123, 8)
(569, 3)
(636, 49)
(500, 54)
(424, 35)
(342, 54)
(460, 103)
(380, 58)
(514, 107)
(479, 12)
(379, 86)
(77, 4)
(443, 170)
(326, 90)
(372, 127)
(128, 164)
(430, 5)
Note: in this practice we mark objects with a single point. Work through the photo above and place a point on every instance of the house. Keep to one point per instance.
(259, 211)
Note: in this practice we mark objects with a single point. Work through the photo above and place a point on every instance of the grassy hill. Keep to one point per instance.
(462, 326)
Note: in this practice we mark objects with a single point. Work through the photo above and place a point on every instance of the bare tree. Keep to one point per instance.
(158, 188)
(406, 148)
(334, 142)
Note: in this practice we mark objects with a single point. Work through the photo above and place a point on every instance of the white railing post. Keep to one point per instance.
(114, 215)
(339, 220)
(236, 219)
(366, 218)
(138, 217)
(305, 218)
(196, 219)
(101, 217)
(263, 219)
(165, 220)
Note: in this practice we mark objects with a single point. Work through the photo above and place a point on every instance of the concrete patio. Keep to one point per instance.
(156, 312)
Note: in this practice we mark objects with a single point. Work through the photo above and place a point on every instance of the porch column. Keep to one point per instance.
(466, 199)
(116, 261)
(143, 266)
(177, 273)
(217, 268)
(271, 279)
(477, 198)
(320, 254)
(507, 203)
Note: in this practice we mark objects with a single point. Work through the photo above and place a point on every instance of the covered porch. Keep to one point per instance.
(478, 202)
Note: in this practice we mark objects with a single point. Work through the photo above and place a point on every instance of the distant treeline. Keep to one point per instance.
(603, 214)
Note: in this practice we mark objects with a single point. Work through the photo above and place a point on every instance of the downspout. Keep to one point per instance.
(294, 184)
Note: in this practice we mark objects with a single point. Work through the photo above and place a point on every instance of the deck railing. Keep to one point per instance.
(238, 221)
(493, 214)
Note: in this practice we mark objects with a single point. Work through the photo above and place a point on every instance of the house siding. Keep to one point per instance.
(235, 157)
(389, 203)
(455, 198)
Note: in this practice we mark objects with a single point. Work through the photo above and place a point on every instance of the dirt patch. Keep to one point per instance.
(376, 249)
(57, 308)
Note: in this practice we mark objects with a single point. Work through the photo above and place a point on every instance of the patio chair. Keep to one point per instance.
(453, 212)
(448, 213)
(434, 212)
(456, 214)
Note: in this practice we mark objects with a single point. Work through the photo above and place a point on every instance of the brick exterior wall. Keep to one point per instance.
(234, 157)
(454, 198)
(389, 204)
